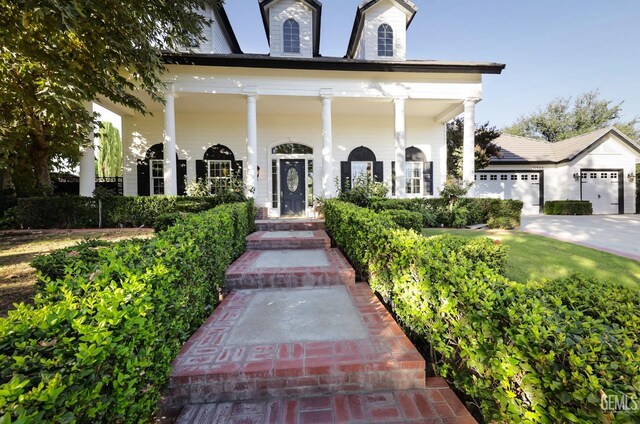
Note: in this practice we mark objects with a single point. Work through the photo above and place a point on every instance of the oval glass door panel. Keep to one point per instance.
(293, 180)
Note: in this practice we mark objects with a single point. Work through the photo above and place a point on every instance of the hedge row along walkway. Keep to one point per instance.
(298, 341)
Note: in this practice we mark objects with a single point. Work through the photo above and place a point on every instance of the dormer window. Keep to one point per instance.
(385, 41)
(291, 36)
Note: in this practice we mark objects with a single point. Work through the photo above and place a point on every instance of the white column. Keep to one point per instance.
(88, 163)
(252, 144)
(327, 146)
(170, 165)
(400, 146)
(468, 144)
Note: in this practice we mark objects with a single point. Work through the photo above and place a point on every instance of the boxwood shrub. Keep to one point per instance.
(405, 218)
(568, 207)
(435, 212)
(538, 352)
(117, 211)
(98, 344)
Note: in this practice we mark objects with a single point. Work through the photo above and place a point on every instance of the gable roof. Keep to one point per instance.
(523, 150)
(315, 5)
(358, 23)
(228, 29)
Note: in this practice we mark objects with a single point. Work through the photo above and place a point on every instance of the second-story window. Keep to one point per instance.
(291, 36)
(385, 40)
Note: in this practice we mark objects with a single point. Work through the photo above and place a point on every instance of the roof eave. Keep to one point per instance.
(327, 64)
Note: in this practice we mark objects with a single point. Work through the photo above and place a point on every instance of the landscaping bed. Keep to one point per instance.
(545, 351)
(98, 344)
(19, 248)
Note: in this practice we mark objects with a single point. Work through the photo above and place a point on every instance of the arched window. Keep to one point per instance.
(291, 36)
(361, 164)
(151, 172)
(385, 40)
(218, 168)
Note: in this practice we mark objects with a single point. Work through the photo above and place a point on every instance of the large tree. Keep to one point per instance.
(563, 118)
(58, 56)
(484, 146)
(109, 151)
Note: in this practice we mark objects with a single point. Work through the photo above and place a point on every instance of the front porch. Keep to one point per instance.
(291, 143)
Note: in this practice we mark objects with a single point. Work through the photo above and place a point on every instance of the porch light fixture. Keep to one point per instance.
(576, 176)
(258, 172)
(631, 177)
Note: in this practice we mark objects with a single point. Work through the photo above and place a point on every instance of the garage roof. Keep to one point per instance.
(517, 149)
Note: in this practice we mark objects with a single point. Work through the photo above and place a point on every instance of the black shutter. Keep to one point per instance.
(378, 173)
(345, 176)
(239, 170)
(182, 176)
(427, 177)
(201, 170)
(144, 181)
(393, 178)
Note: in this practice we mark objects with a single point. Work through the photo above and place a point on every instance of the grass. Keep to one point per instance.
(533, 257)
(17, 277)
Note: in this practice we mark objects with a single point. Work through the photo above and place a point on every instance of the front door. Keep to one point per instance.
(292, 186)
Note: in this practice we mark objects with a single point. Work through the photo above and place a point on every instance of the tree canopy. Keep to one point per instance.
(563, 118)
(484, 146)
(58, 56)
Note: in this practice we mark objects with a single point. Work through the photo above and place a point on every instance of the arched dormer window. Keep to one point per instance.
(291, 36)
(385, 40)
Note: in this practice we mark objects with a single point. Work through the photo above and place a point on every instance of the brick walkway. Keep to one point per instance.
(312, 348)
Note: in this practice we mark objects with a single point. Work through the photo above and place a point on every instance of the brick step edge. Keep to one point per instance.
(435, 404)
(275, 225)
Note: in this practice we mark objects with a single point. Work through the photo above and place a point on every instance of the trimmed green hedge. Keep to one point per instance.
(405, 219)
(540, 352)
(83, 212)
(98, 344)
(568, 207)
(435, 212)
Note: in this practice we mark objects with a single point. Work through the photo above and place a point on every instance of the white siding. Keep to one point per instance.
(215, 39)
(291, 9)
(195, 132)
(385, 12)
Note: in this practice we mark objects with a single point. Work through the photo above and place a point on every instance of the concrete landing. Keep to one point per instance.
(369, 352)
(286, 316)
(289, 268)
(288, 240)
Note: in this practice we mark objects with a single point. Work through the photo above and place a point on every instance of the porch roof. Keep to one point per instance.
(330, 63)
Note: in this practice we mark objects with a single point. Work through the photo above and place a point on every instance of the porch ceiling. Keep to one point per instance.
(277, 105)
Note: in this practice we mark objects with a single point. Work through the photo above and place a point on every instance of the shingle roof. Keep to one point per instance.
(517, 149)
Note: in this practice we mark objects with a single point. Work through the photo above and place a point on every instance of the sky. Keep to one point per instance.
(552, 48)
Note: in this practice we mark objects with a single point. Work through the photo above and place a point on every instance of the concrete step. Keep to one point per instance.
(288, 240)
(294, 224)
(257, 269)
(435, 404)
(284, 343)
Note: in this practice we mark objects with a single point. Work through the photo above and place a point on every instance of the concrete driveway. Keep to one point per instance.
(617, 234)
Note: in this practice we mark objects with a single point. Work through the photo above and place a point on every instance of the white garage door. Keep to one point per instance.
(601, 189)
(523, 186)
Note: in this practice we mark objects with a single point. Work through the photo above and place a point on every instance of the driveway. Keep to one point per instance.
(617, 234)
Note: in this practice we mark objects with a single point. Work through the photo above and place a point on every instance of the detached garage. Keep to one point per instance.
(598, 167)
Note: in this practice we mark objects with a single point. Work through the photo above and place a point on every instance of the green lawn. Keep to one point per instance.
(534, 257)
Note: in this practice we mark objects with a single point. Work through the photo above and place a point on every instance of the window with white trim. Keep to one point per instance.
(291, 36)
(493, 177)
(360, 169)
(219, 175)
(413, 177)
(483, 177)
(157, 176)
(385, 40)
(504, 177)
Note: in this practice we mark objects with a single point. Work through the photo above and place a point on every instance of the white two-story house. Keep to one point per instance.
(292, 122)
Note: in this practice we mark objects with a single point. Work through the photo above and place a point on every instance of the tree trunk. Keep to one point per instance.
(40, 160)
